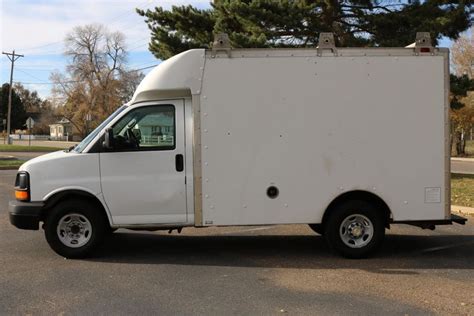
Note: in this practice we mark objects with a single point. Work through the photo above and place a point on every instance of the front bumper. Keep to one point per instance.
(25, 215)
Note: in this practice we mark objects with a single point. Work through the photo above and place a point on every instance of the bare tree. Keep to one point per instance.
(463, 55)
(96, 76)
(462, 117)
(130, 82)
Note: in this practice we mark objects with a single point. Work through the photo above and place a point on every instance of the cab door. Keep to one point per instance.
(143, 174)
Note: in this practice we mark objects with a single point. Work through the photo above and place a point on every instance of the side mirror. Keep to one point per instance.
(108, 142)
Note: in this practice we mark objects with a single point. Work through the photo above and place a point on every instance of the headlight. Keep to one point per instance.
(22, 186)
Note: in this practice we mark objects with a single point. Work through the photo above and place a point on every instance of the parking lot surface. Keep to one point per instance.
(237, 271)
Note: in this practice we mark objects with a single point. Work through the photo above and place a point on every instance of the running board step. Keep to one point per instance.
(431, 224)
(458, 219)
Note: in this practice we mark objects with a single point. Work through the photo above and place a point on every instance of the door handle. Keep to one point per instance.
(179, 162)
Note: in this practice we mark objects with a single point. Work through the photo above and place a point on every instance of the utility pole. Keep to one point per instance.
(13, 57)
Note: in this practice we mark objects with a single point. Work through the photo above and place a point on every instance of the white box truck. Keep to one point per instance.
(347, 140)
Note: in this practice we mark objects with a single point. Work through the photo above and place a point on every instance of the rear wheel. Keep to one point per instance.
(355, 229)
(75, 228)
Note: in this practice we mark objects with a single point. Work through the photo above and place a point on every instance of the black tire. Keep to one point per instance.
(343, 211)
(317, 228)
(85, 209)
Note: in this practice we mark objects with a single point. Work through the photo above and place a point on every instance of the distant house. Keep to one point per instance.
(61, 130)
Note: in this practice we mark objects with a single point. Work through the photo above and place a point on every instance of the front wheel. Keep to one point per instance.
(75, 228)
(355, 229)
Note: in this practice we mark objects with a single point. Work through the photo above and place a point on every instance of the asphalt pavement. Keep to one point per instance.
(237, 271)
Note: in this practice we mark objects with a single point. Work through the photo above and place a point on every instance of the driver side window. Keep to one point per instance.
(146, 128)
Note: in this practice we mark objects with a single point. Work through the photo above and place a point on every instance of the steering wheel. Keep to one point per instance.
(133, 139)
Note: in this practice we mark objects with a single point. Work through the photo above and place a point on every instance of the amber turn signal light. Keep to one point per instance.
(22, 195)
(22, 186)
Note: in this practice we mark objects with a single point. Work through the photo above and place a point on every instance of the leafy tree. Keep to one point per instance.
(30, 99)
(462, 120)
(42, 110)
(293, 23)
(18, 113)
(32, 102)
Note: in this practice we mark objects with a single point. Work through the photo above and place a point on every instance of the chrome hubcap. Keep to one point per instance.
(74, 230)
(356, 231)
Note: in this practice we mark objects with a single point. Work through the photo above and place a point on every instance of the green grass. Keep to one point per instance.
(462, 190)
(20, 148)
(11, 163)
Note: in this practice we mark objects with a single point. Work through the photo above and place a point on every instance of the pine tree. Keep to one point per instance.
(293, 23)
(460, 86)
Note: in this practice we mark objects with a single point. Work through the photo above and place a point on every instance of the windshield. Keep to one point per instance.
(80, 147)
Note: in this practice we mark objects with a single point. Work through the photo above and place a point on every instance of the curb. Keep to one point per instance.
(464, 210)
(462, 159)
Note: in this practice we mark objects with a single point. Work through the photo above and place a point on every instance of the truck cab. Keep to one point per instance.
(133, 171)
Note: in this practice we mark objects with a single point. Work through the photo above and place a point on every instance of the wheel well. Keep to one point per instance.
(73, 194)
(361, 196)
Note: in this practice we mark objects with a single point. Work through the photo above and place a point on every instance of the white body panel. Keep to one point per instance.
(316, 127)
(59, 171)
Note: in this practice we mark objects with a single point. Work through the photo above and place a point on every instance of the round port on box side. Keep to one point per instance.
(272, 192)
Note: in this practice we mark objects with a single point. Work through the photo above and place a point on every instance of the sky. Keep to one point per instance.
(36, 29)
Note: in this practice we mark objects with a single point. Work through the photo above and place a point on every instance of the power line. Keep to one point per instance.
(127, 12)
(34, 69)
(58, 53)
(42, 46)
(72, 81)
(145, 68)
(141, 39)
(47, 83)
(141, 45)
(34, 77)
(147, 63)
